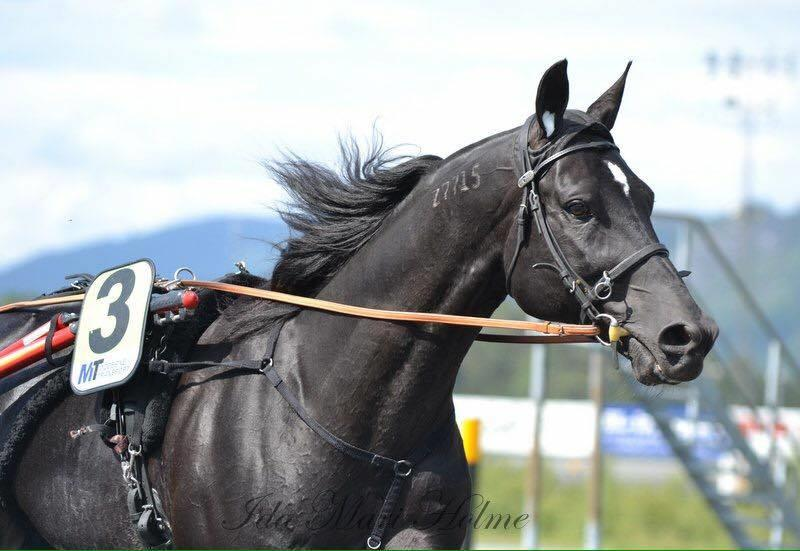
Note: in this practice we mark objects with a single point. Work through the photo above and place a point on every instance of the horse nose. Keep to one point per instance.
(685, 344)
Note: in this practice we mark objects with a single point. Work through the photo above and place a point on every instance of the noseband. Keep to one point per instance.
(533, 165)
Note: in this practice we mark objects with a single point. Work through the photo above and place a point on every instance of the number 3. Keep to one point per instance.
(118, 310)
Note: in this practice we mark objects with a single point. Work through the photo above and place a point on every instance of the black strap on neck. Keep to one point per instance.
(401, 469)
(532, 165)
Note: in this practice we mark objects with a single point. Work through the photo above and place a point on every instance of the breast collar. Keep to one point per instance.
(533, 165)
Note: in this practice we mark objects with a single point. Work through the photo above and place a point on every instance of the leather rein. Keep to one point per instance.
(550, 332)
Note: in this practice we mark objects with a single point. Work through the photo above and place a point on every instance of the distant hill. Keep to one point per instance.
(209, 247)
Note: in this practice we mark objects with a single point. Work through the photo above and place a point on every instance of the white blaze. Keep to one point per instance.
(619, 176)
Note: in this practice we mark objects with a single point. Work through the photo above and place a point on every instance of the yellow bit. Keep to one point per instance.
(615, 333)
(470, 433)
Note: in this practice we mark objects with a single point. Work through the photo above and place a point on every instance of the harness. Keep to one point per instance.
(533, 165)
(144, 504)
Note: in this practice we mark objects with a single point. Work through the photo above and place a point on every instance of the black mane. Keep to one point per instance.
(331, 214)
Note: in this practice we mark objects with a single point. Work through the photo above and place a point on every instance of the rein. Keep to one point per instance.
(551, 333)
(63, 299)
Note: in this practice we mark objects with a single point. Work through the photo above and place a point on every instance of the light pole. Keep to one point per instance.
(751, 88)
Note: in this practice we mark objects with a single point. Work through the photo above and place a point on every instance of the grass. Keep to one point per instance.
(664, 515)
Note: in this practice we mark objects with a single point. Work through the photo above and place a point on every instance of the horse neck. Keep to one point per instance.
(440, 250)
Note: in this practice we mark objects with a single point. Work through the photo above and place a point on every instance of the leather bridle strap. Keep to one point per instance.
(602, 289)
(637, 258)
(533, 165)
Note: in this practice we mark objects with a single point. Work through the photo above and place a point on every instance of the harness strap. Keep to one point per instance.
(346, 448)
(144, 508)
(375, 538)
(401, 469)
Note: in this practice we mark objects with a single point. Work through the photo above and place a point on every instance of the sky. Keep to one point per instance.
(122, 118)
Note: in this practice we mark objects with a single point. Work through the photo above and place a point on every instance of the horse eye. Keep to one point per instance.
(578, 209)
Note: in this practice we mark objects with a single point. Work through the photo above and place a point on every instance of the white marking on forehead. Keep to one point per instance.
(549, 120)
(619, 176)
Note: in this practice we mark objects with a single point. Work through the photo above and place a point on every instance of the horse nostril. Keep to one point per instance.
(675, 338)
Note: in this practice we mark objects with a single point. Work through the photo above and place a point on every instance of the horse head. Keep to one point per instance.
(584, 246)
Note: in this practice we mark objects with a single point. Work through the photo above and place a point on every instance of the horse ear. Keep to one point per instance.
(606, 107)
(552, 98)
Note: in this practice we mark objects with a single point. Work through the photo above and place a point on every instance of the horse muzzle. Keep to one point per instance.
(675, 356)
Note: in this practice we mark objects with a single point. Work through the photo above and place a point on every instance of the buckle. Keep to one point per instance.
(403, 468)
(526, 178)
(534, 200)
(603, 288)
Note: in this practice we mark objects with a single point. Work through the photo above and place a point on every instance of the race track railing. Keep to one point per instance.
(751, 368)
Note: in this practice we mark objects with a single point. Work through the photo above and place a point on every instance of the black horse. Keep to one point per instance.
(237, 468)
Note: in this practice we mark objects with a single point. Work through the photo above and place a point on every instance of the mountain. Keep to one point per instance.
(209, 247)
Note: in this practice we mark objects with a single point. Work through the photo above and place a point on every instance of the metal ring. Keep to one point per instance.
(182, 269)
(612, 322)
(374, 542)
(134, 450)
(266, 364)
(603, 288)
(403, 468)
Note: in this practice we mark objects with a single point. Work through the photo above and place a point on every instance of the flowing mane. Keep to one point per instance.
(331, 214)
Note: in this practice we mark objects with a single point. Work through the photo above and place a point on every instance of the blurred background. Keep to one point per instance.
(133, 130)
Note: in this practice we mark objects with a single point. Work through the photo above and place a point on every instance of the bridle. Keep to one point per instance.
(532, 165)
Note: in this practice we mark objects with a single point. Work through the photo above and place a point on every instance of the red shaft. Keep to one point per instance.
(31, 337)
(190, 300)
(33, 352)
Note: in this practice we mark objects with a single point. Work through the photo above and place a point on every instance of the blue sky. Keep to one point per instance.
(120, 118)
